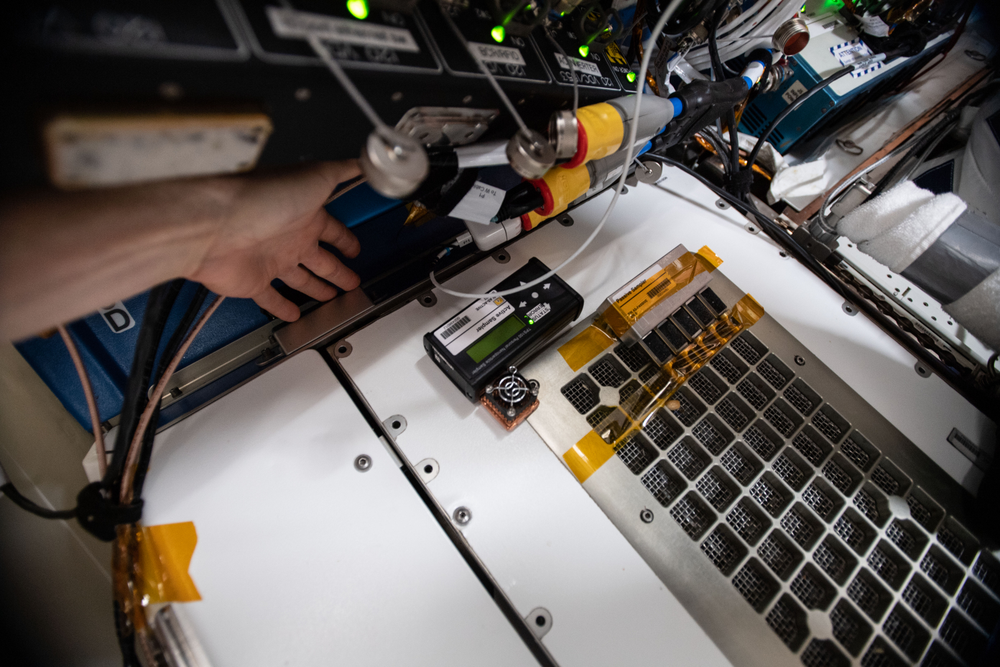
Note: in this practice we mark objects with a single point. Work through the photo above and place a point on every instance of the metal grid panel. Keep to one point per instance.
(711, 437)
(635, 454)
(688, 412)
(777, 555)
(608, 373)
(597, 416)
(788, 471)
(768, 496)
(918, 599)
(788, 622)
(738, 465)
(746, 524)
(798, 400)
(759, 442)
(848, 628)
(798, 527)
(905, 632)
(686, 458)
(855, 453)
(772, 375)
(727, 368)
(715, 490)
(692, 516)
(827, 426)
(902, 538)
(850, 531)
(756, 586)
(951, 542)
(809, 448)
(779, 420)
(883, 565)
(819, 501)
(705, 387)
(836, 475)
(867, 505)
(810, 589)
(885, 481)
(662, 484)
(724, 551)
(731, 414)
(633, 355)
(745, 350)
(880, 655)
(868, 596)
(581, 393)
(754, 396)
(661, 430)
(822, 654)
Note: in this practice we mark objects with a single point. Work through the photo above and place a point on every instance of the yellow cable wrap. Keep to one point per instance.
(600, 444)
(565, 186)
(605, 130)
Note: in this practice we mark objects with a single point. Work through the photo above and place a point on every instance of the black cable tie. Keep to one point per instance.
(99, 516)
(739, 182)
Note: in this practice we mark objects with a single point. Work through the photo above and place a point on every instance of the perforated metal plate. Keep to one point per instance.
(787, 499)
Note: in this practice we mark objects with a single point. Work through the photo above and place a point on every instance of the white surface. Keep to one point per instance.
(539, 534)
(301, 559)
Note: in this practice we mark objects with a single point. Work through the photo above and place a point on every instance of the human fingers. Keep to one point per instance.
(277, 305)
(336, 173)
(326, 266)
(302, 280)
(338, 235)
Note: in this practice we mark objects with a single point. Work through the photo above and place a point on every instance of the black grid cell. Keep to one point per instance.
(798, 526)
(691, 515)
(689, 411)
(880, 655)
(772, 374)
(673, 335)
(821, 653)
(581, 393)
(829, 423)
(939, 570)
(833, 561)
(713, 300)
(922, 601)
(700, 311)
(728, 367)
(627, 391)
(978, 604)
(788, 622)
(716, 490)
(649, 372)
(686, 458)
(745, 521)
(939, 656)
(904, 538)
(952, 542)
(987, 571)
(849, 628)
(711, 434)
(779, 420)
(751, 350)
(868, 595)
(723, 549)
(662, 483)
(661, 429)
(608, 373)
(732, 413)
(819, 501)
(838, 477)
(813, 450)
(658, 347)
(851, 531)
(886, 565)
(855, 452)
(798, 400)
(753, 394)
(905, 632)
(811, 589)
(755, 585)
(868, 506)
(768, 496)
(739, 465)
(705, 386)
(685, 321)
(779, 556)
(963, 638)
(920, 513)
(599, 415)
(633, 355)
(760, 442)
(789, 473)
(885, 480)
(635, 453)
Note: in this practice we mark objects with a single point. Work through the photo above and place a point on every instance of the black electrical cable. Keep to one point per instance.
(187, 320)
(770, 227)
(720, 72)
(158, 306)
(752, 159)
(15, 496)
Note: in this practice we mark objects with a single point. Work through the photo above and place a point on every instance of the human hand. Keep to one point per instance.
(271, 229)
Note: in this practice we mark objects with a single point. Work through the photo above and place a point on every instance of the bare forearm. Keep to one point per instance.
(63, 256)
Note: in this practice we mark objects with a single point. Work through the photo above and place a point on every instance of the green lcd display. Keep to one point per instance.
(494, 339)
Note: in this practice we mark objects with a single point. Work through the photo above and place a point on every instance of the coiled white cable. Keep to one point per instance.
(647, 51)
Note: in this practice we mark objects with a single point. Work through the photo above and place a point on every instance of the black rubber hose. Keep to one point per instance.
(15, 496)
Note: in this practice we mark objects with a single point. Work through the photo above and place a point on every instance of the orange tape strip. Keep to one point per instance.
(579, 350)
(588, 455)
(165, 553)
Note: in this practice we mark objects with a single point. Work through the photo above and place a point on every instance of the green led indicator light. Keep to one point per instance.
(631, 77)
(498, 33)
(584, 51)
(358, 8)
(531, 321)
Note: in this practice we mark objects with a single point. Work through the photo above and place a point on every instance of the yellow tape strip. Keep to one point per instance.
(588, 455)
(584, 346)
(164, 555)
(604, 128)
(645, 296)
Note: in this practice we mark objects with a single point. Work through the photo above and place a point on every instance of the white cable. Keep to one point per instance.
(647, 51)
(346, 83)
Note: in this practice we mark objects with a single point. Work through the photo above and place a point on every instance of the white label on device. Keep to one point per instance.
(117, 317)
(584, 66)
(293, 24)
(636, 284)
(491, 53)
(539, 311)
(480, 203)
(850, 52)
(794, 92)
(875, 26)
(476, 329)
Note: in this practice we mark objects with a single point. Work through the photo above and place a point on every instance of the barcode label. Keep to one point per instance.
(659, 289)
(455, 327)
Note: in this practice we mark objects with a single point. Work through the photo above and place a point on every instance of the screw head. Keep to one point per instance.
(363, 463)
(646, 516)
(462, 516)
(721, 204)
(799, 361)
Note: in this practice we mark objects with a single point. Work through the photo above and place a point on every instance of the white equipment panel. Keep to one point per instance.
(304, 560)
(543, 540)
